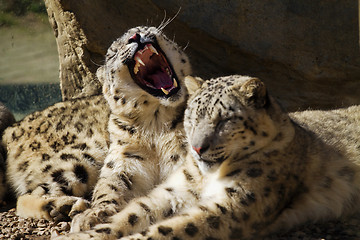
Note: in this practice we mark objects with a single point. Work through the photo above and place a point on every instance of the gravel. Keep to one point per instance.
(14, 227)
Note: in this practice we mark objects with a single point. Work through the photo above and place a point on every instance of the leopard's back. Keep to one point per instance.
(60, 149)
(340, 128)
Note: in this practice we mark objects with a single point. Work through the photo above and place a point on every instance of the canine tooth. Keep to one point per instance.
(165, 91)
(136, 68)
(168, 71)
(175, 83)
(139, 61)
(153, 49)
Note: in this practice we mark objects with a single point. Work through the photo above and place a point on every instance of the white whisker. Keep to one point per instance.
(187, 44)
(164, 23)
(161, 26)
(96, 64)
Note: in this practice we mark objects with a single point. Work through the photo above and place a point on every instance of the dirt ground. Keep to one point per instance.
(14, 227)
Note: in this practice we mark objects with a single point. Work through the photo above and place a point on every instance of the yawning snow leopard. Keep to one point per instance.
(251, 169)
(123, 143)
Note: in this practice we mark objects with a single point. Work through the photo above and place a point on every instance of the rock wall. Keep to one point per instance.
(307, 52)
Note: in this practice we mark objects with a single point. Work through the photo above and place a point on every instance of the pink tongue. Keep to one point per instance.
(161, 80)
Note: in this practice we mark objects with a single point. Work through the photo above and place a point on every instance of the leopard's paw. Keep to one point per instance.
(84, 236)
(91, 217)
(62, 208)
(136, 236)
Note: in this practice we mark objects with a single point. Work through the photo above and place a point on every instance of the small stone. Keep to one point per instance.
(20, 236)
(41, 225)
(41, 233)
(54, 233)
(21, 223)
(63, 226)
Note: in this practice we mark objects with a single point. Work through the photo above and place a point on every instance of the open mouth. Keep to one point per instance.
(151, 70)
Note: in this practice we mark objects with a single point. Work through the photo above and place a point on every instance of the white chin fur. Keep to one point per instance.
(174, 100)
(204, 168)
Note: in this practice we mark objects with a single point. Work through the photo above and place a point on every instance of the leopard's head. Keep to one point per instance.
(230, 118)
(145, 63)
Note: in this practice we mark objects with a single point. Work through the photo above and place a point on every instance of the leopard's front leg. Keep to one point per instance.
(123, 177)
(137, 216)
(100, 210)
(163, 202)
(197, 223)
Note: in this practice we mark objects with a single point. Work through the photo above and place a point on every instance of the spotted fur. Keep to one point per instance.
(57, 154)
(116, 146)
(253, 170)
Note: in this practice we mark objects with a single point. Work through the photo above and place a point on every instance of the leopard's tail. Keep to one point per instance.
(6, 119)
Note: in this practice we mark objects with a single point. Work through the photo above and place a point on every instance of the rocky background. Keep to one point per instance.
(306, 51)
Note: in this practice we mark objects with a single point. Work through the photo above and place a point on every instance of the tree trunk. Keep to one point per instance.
(77, 71)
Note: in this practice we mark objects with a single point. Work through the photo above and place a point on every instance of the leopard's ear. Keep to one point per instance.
(253, 93)
(193, 83)
(100, 74)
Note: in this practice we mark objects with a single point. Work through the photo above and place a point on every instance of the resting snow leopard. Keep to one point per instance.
(252, 170)
(123, 143)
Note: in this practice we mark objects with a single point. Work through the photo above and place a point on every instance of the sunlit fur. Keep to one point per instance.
(255, 170)
(130, 139)
(146, 132)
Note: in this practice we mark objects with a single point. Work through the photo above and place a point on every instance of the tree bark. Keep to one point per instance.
(77, 69)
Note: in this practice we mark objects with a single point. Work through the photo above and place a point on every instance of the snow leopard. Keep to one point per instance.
(251, 169)
(108, 148)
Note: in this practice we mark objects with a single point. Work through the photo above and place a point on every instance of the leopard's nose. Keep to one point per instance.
(134, 38)
(200, 150)
(197, 150)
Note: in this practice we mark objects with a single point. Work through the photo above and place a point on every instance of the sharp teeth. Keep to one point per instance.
(165, 91)
(139, 61)
(175, 83)
(136, 68)
(168, 72)
(153, 49)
